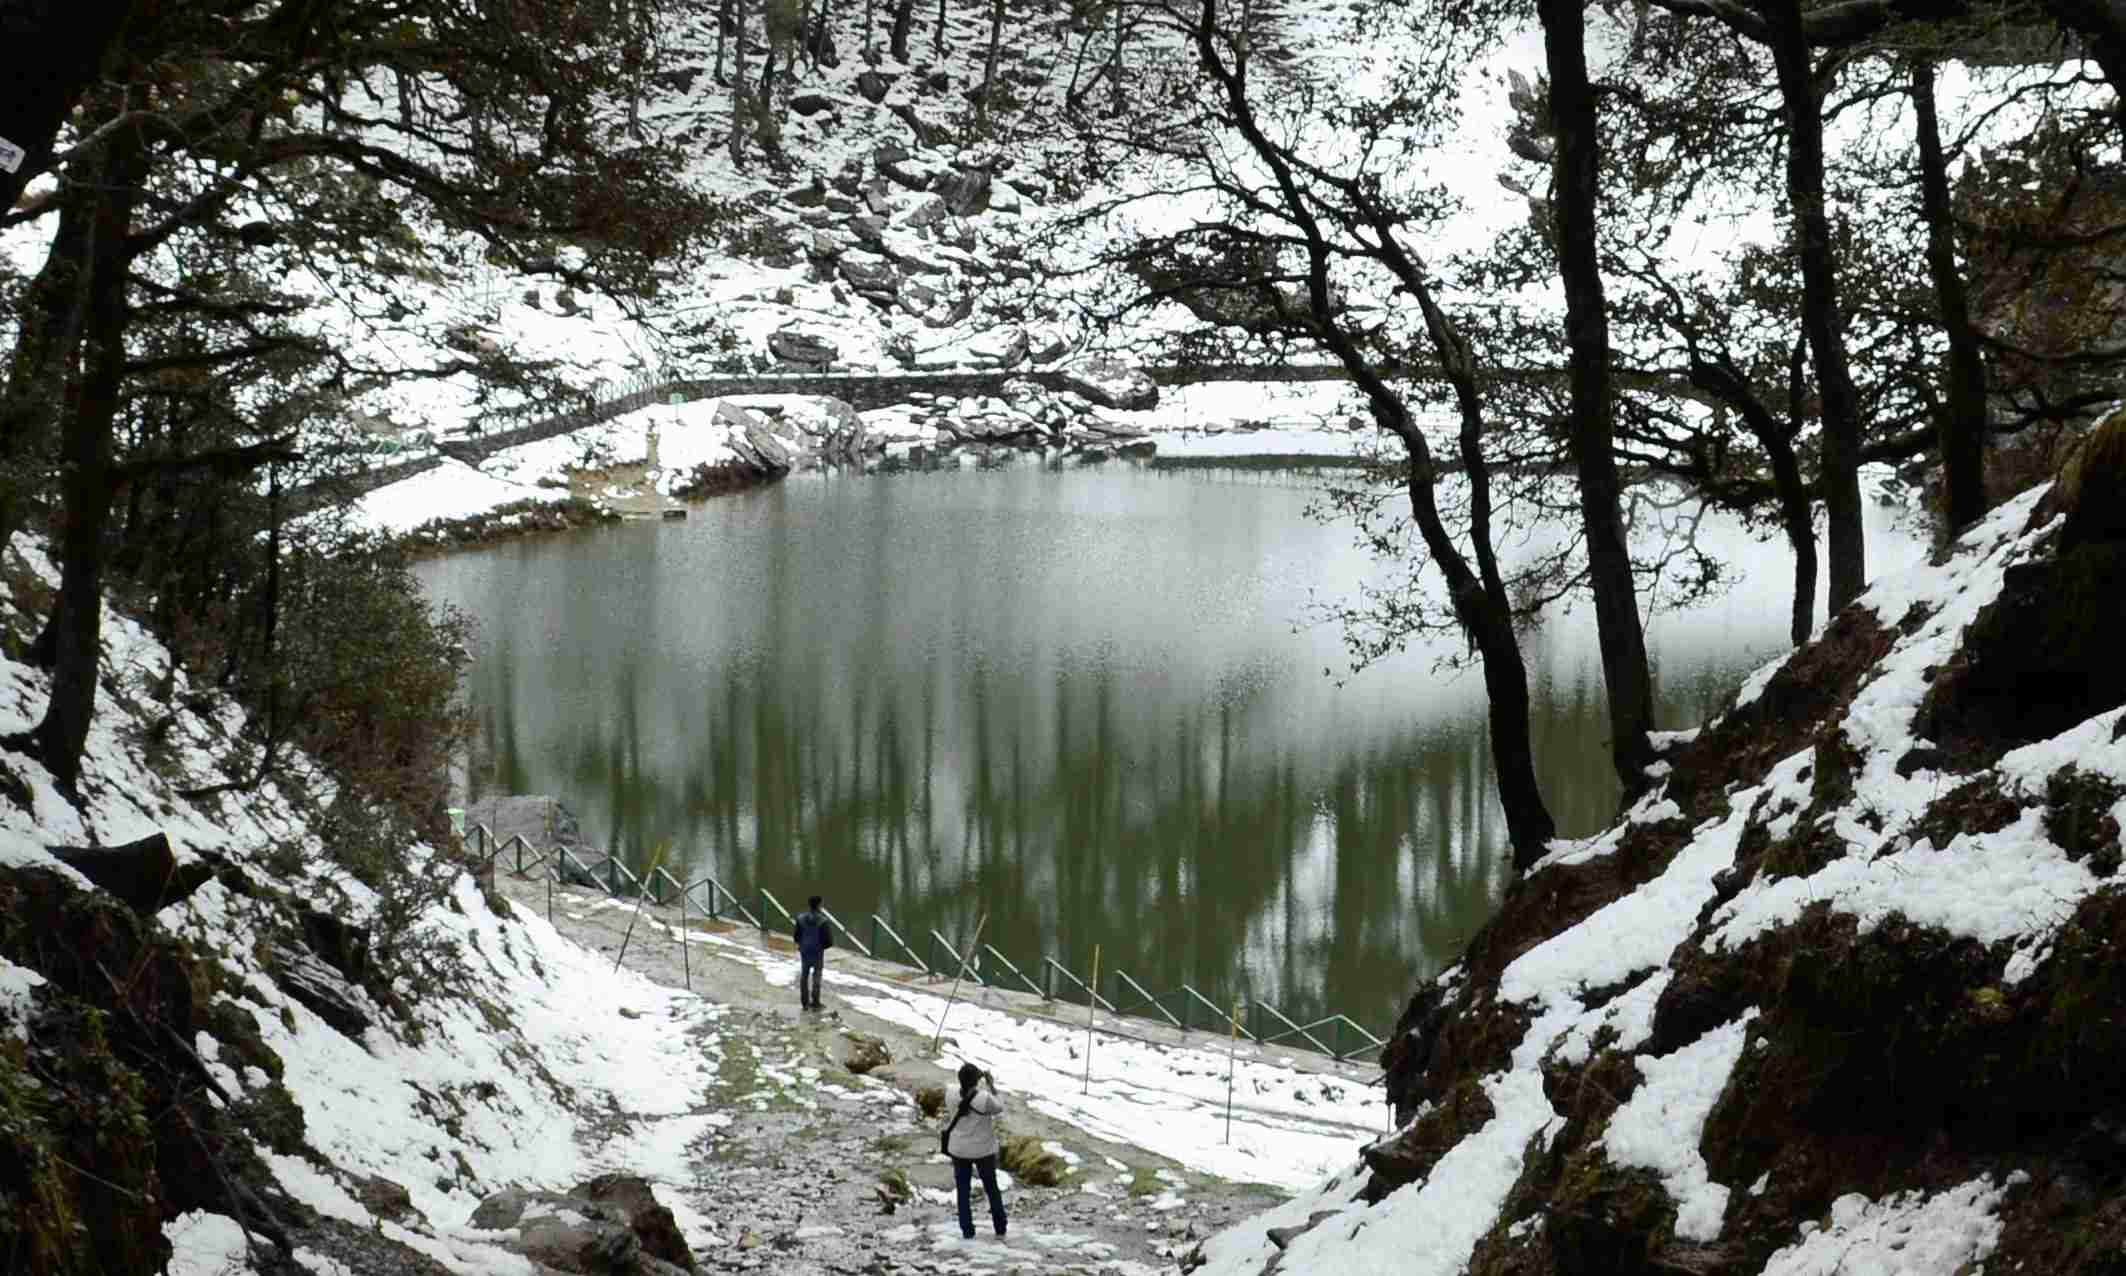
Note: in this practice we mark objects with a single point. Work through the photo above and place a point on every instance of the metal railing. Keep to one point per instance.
(1338, 1036)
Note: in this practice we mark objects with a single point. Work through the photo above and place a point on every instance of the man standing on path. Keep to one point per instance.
(814, 937)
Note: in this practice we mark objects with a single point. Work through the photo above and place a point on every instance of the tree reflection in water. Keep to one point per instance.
(1075, 702)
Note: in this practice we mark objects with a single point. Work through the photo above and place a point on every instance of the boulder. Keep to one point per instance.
(869, 273)
(907, 174)
(750, 436)
(823, 425)
(320, 988)
(144, 874)
(792, 344)
(878, 198)
(571, 1233)
(918, 297)
(767, 450)
(1110, 383)
(869, 229)
(648, 1218)
(343, 945)
(966, 191)
(866, 1053)
(1005, 198)
(928, 211)
(1004, 347)
(873, 85)
(810, 103)
(926, 133)
(385, 1199)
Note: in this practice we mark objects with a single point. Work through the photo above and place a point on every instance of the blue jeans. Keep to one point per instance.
(809, 966)
(962, 1172)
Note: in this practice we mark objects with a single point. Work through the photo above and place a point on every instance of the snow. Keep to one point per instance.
(2012, 883)
(1633, 933)
(17, 997)
(1659, 1127)
(204, 1244)
(1910, 1234)
(1289, 1127)
(452, 490)
(2006, 884)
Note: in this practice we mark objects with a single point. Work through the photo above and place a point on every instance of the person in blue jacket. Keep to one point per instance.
(814, 937)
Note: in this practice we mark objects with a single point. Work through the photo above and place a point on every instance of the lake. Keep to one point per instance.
(1089, 704)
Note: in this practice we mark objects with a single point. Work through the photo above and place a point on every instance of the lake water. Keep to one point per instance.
(1088, 704)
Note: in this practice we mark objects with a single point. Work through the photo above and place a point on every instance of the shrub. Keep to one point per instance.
(1031, 1163)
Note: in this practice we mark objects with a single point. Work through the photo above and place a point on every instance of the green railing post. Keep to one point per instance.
(874, 933)
(612, 874)
(1048, 982)
(764, 911)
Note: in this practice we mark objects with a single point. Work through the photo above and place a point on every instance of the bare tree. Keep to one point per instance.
(1270, 265)
(1578, 173)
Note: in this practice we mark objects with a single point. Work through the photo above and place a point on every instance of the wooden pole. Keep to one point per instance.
(940, 1035)
(686, 958)
(655, 860)
(1092, 1005)
(1232, 1048)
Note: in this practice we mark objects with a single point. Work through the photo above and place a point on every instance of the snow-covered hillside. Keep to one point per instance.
(1838, 996)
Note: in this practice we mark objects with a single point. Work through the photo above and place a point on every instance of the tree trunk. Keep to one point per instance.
(1963, 420)
(1117, 82)
(1480, 602)
(1821, 321)
(937, 44)
(1720, 378)
(54, 52)
(45, 352)
(739, 103)
(1488, 617)
(903, 21)
(86, 487)
(989, 65)
(144, 875)
(1622, 639)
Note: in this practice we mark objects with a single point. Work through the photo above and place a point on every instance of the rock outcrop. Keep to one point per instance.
(611, 1225)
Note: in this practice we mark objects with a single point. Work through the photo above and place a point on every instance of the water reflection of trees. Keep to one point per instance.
(1181, 842)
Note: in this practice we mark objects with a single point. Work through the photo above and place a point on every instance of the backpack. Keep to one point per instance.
(945, 1135)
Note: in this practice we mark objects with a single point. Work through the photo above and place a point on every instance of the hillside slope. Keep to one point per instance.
(1839, 995)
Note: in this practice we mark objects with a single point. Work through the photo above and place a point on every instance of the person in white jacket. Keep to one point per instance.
(971, 1142)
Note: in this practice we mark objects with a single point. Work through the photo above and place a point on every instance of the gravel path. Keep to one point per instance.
(801, 1166)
